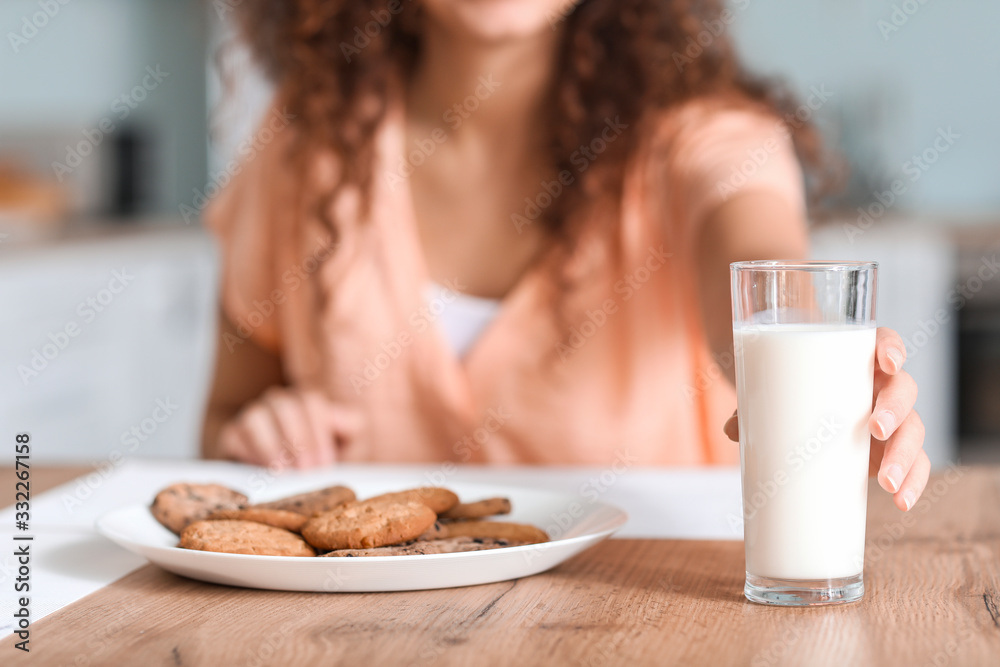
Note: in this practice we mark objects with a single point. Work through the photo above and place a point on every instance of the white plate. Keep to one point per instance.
(574, 524)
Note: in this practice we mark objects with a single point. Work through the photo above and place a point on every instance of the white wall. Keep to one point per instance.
(917, 269)
(95, 381)
(65, 79)
(940, 69)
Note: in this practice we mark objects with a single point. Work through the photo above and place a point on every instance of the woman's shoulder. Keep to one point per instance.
(707, 120)
(703, 152)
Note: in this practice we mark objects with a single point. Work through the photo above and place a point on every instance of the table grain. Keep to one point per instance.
(932, 579)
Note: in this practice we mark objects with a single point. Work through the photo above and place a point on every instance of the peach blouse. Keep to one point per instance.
(624, 374)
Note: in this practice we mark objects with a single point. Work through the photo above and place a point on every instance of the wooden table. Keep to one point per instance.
(933, 593)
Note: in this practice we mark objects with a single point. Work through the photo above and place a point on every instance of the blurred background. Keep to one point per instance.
(114, 129)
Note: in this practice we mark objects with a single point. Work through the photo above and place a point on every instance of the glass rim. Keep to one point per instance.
(803, 265)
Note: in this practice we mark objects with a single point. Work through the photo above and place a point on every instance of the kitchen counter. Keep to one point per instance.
(932, 579)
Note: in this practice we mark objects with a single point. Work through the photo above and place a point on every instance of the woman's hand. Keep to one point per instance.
(287, 427)
(897, 454)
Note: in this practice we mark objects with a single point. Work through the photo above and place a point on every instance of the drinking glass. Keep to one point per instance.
(804, 339)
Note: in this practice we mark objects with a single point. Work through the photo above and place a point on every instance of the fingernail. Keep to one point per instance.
(896, 357)
(909, 498)
(886, 421)
(894, 475)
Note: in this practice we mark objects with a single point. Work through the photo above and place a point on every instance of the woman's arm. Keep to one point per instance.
(751, 226)
(254, 417)
(242, 374)
(765, 226)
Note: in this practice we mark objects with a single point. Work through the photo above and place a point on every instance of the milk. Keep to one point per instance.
(805, 397)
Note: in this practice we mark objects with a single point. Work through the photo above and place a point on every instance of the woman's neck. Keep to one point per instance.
(481, 88)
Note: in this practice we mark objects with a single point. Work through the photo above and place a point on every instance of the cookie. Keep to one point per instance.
(292, 521)
(179, 505)
(435, 532)
(365, 525)
(438, 499)
(477, 510)
(312, 503)
(243, 537)
(451, 545)
(515, 532)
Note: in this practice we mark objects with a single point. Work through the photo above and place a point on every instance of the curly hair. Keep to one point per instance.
(617, 58)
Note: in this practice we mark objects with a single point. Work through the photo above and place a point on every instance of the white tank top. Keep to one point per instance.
(462, 318)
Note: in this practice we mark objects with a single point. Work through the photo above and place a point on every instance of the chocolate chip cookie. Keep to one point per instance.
(435, 532)
(446, 546)
(477, 510)
(312, 503)
(179, 505)
(365, 525)
(243, 537)
(292, 521)
(438, 499)
(515, 532)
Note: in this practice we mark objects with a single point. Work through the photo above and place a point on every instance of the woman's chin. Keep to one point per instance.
(496, 20)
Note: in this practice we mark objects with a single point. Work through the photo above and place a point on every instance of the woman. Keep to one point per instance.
(499, 231)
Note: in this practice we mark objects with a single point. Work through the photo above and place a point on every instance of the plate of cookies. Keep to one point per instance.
(363, 538)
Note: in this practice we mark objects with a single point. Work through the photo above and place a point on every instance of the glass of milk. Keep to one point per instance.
(804, 337)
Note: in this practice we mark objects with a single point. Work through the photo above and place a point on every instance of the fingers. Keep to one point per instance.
(914, 484)
(237, 444)
(902, 451)
(232, 443)
(895, 396)
(262, 436)
(317, 410)
(898, 432)
(283, 427)
(732, 428)
(890, 352)
(297, 438)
